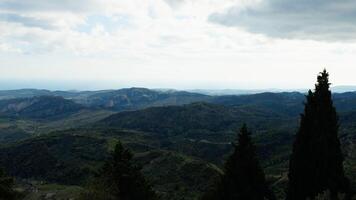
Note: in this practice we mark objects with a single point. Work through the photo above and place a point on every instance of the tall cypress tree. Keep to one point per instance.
(120, 179)
(316, 163)
(243, 178)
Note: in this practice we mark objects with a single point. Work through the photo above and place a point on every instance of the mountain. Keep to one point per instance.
(344, 88)
(22, 93)
(223, 92)
(39, 107)
(118, 100)
(181, 141)
(61, 158)
(288, 103)
(14, 129)
(28, 93)
(72, 158)
(172, 138)
(138, 98)
(191, 119)
(226, 92)
(24, 118)
(175, 175)
(203, 130)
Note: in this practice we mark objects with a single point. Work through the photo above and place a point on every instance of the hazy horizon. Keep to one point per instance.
(96, 86)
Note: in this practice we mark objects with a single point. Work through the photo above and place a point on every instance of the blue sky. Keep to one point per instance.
(183, 44)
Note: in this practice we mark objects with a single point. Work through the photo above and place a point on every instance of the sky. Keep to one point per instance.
(182, 44)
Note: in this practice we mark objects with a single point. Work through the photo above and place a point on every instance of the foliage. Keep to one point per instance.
(177, 176)
(66, 159)
(202, 118)
(243, 178)
(121, 179)
(316, 163)
(42, 107)
(176, 145)
(138, 98)
(6, 187)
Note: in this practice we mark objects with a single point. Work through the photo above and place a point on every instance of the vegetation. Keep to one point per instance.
(65, 159)
(55, 147)
(316, 163)
(120, 179)
(6, 187)
(74, 156)
(42, 107)
(243, 178)
(194, 120)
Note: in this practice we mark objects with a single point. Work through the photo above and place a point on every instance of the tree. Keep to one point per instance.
(6, 184)
(120, 179)
(316, 163)
(243, 178)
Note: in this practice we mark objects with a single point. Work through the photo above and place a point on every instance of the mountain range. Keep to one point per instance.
(63, 138)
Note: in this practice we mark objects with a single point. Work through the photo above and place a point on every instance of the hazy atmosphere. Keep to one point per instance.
(182, 44)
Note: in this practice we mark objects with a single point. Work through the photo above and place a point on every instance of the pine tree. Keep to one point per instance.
(316, 163)
(6, 184)
(244, 179)
(120, 179)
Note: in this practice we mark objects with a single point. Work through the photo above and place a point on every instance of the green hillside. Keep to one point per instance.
(172, 143)
(41, 107)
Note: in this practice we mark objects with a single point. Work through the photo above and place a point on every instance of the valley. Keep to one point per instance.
(58, 140)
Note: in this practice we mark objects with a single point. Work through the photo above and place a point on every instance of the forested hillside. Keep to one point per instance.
(180, 139)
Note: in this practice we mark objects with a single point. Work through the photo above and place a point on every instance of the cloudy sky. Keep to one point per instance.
(183, 44)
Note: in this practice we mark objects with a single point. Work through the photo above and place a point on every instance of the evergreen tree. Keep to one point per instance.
(244, 178)
(6, 184)
(316, 163)
(120, 179)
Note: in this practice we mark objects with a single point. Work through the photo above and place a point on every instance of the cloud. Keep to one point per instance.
(171, 42)
(45, 5)
(26, 21)
(175, 3)
(325, 20)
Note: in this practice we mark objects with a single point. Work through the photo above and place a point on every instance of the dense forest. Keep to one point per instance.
(137, 143)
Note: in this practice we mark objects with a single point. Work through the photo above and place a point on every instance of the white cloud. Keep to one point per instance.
(49, 6)
(155, 43)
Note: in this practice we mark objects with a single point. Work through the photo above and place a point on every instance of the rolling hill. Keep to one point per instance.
(290, 103)
(41, 107)
(138, 98)
(61, 141)
(71, 158)
(118, 100)
(193, 118)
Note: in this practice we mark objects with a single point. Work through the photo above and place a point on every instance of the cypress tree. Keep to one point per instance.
(120, 179)
(316, 163)
(243, 178)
